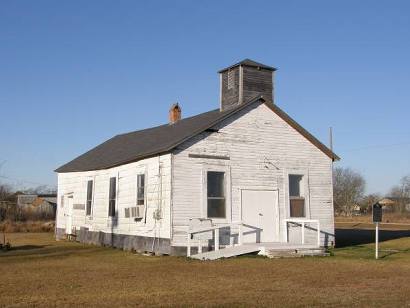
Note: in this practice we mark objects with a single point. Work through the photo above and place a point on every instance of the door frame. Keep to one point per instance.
(263, 188)
(66, 210)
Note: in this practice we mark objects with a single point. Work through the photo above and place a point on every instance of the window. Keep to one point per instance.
(89, 201)
(138, 211)
(296, 199)
(112, 197)
(216, 194)
(140, 189)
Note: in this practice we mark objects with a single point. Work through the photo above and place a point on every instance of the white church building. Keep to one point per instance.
(241, 178)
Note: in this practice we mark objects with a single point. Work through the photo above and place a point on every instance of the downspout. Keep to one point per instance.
(171, 199)
(333, 243)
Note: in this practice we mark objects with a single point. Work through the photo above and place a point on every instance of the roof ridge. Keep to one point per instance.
(248, 62)
(165, 124)
(133, 146)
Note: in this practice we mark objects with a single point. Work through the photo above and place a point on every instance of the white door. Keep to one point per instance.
(260, 215)
(69, 216)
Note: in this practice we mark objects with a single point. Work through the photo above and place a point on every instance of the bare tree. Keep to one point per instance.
(348, 189)
(401, 193)
(6, 192)
(42, 189)
(7, 201)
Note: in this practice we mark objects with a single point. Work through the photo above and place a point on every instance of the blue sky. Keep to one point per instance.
(75, 73)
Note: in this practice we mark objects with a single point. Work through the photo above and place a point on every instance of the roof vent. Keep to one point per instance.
(174, 113)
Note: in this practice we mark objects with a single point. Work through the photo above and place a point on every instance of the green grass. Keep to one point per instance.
(388, 251)
(42, 272)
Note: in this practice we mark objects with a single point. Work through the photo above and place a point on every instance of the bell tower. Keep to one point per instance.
(243, 81)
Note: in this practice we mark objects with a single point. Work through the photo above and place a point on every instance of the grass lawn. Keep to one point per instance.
(42, 272)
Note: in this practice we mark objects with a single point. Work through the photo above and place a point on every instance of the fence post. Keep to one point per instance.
(216, 234)
(199, 245)
(188, 252)
(303, 232)
(240, 235)
(318, 233)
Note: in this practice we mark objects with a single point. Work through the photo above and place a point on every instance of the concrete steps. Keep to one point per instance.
(296, 253)
(226, 252)
(270, 250)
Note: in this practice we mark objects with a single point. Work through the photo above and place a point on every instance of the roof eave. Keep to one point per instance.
(282, 114)
(170, 147)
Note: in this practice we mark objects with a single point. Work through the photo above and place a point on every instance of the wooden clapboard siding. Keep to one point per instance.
(262, 150)
(257, 82)
(76, 183)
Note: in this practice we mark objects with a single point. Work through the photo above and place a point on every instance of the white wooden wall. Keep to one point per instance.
(263, 149)
(75, 183)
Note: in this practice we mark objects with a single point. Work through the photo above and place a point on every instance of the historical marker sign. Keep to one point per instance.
(377, 217)
(377, 212)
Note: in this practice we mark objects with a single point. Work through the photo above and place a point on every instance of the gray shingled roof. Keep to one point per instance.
(133, 146)
(140, 144)
(248, 62)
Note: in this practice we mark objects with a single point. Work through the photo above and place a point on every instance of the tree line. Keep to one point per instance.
(349, 193)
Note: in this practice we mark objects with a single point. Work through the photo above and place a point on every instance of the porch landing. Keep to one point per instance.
(270, 250)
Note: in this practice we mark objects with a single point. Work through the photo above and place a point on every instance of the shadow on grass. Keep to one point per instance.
(27, 247)
(352, 237)
(50, 251)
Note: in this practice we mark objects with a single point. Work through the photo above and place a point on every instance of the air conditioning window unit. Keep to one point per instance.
(138, 212)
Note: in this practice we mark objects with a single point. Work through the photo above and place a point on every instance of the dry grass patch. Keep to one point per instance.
(42, 272)
(9, 226)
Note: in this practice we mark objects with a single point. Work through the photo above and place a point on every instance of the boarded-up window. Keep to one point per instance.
(296, 198)
(216, 194)
(112, 196)
(89, 201)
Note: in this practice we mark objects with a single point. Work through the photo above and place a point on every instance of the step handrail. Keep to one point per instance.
(302, 222)
(214, 228)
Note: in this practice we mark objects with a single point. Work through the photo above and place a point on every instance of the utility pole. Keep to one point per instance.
(331, 138)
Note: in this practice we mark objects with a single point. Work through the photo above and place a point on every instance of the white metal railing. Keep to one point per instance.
(302, 222)
(215, 229)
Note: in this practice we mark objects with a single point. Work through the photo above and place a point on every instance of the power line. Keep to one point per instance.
(380, 146)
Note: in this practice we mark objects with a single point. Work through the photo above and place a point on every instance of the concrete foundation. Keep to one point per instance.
(124, 241)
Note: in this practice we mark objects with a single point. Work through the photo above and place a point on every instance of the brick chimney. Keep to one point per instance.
(174, 113)
(243, 81)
